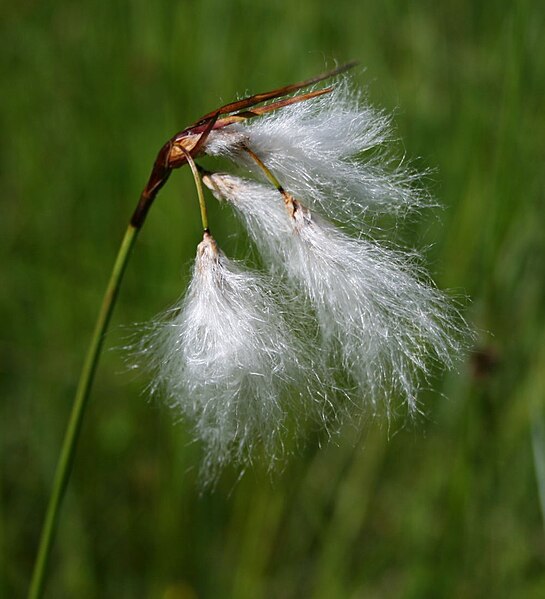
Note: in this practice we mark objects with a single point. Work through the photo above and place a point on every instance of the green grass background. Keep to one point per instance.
(444, 507)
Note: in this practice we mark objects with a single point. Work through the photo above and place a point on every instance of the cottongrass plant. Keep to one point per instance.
(335, 326)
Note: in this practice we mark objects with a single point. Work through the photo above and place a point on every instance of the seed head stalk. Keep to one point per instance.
(200, 193)
(66, 458)
(268, 173)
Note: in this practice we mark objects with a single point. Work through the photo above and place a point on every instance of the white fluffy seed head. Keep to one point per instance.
(332, 152)
(227, 361)
(357, 322)
(378, 315)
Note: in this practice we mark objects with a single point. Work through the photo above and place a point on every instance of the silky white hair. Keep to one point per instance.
(340, 325)
(227, 360)
(332, 152)
(379, 316)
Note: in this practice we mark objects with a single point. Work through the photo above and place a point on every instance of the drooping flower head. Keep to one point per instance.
(333, 316)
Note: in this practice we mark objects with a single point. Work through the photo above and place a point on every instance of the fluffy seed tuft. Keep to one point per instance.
(225, 359)
(332, 152)
(378, 314)
(340, 325)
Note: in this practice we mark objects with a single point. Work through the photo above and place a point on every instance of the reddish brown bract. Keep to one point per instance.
(192, 139)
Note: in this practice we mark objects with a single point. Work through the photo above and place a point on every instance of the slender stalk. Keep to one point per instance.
(289, 200)
(268, 173)
(66, 457)
(198, 185)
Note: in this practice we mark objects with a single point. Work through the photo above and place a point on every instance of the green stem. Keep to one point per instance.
(66, 457)
(198, 185)
(268, 173)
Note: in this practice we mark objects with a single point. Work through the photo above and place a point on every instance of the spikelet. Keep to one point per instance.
(331, 152)
(378, 314)
(225, 359)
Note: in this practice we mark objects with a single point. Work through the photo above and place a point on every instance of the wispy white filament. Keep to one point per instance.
(348, 318)
(226, 358)
(332, 152)
(377, 313)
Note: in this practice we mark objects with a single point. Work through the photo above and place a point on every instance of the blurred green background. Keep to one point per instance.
(448, 506)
